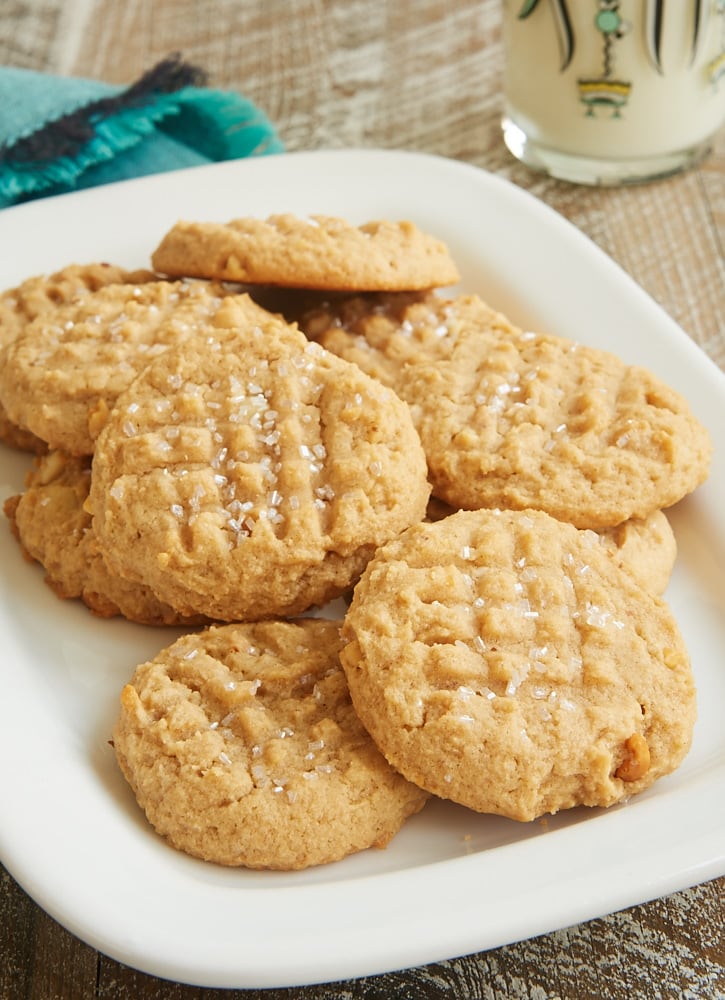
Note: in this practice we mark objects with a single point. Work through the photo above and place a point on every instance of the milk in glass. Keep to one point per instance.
(609, 91)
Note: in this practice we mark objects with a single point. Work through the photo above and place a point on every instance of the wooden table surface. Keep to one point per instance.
(421, 75)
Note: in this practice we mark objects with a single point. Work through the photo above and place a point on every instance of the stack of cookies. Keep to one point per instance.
(289, 411)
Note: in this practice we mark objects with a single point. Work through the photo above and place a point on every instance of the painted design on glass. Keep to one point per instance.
(563, 27)
(654, 16)
(606, 91)
(716, 67)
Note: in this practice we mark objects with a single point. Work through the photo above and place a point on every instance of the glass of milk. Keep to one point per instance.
(613, 91)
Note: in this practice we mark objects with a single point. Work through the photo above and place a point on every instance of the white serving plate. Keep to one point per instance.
(452, 882)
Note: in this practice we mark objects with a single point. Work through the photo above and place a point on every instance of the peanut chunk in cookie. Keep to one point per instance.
(637, 759)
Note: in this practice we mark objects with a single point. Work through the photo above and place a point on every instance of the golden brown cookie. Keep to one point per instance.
(51, 524)
(242, 747)
(18, 437)
(44, 292)
(512, 418)
(501, 659)
(253, 474)
(537, 421)
(384, 333)
(317, 252)
(63, 371)
(40, 295)
(647, 548)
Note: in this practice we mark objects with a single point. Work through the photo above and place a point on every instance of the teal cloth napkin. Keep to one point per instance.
(60, 134)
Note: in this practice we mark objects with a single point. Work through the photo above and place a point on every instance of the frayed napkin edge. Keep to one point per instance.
(219, 124)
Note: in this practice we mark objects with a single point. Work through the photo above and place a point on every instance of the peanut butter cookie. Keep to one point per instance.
(384, 333)
(41, 294)
(646, 547)
(529, 420)
(502, 660)
(317, 252)
(253, 474)
(63, 371)
(512, 418)
(51, 523)
(243, 748)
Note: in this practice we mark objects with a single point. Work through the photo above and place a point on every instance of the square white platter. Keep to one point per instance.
(452, 882)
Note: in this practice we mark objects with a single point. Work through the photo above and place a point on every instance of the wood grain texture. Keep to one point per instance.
(419, 75)
(670, 949)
